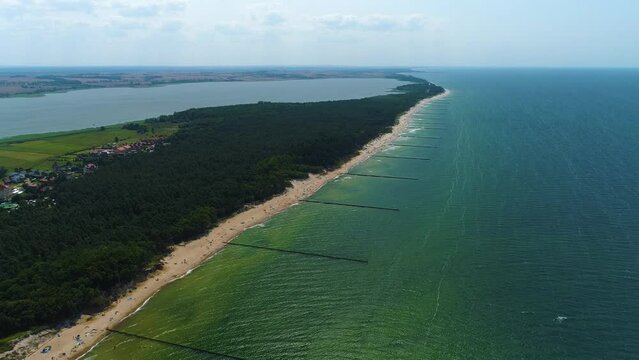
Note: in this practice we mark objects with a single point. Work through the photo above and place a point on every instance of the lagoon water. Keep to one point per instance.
(98, 107)
(520, 240)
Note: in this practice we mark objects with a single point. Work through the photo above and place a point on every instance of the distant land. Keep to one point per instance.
(36, 81)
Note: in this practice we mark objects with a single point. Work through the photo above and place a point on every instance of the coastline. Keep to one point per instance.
(183, 259)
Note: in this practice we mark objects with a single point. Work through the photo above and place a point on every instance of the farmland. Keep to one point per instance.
(41, 151)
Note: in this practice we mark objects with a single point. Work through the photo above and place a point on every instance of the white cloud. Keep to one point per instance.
(172, 26)
(140, 11)
(72, 5)
(267, 14)
(70, 32)
(153, 9)
(273, 18)
(232, 29)
(175, 6)
(380, 23)
(218, 31)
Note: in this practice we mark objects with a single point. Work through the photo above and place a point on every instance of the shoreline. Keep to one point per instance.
(185, 258)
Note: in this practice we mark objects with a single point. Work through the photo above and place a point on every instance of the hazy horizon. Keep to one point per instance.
(403, 33)
(318, 66)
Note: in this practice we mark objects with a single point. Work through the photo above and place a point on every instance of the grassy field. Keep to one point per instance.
(5, 343)
(40, 151)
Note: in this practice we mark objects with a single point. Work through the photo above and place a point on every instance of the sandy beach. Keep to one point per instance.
(67, 345)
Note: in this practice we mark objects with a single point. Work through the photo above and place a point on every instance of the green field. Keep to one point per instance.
(6, 343)
(40, 151)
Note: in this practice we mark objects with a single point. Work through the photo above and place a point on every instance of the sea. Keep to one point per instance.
(507, 228)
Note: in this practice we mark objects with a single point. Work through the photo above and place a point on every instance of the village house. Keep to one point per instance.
(17, 177)
(89, 168)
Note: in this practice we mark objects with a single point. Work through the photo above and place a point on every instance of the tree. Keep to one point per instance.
(67, 254)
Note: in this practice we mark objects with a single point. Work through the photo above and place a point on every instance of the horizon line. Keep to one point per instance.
(334, 66)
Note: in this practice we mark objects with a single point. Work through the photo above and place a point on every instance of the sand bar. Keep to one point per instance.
(182, 259)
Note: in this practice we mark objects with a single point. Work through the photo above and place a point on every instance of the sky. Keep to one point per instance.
(536, 33)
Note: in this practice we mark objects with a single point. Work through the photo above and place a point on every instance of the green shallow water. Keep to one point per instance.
(519, 240)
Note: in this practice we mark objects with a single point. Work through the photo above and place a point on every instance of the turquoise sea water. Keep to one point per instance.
(97, 107)
(520, 240)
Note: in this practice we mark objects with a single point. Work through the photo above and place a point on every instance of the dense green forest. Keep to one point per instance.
(67, 254)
